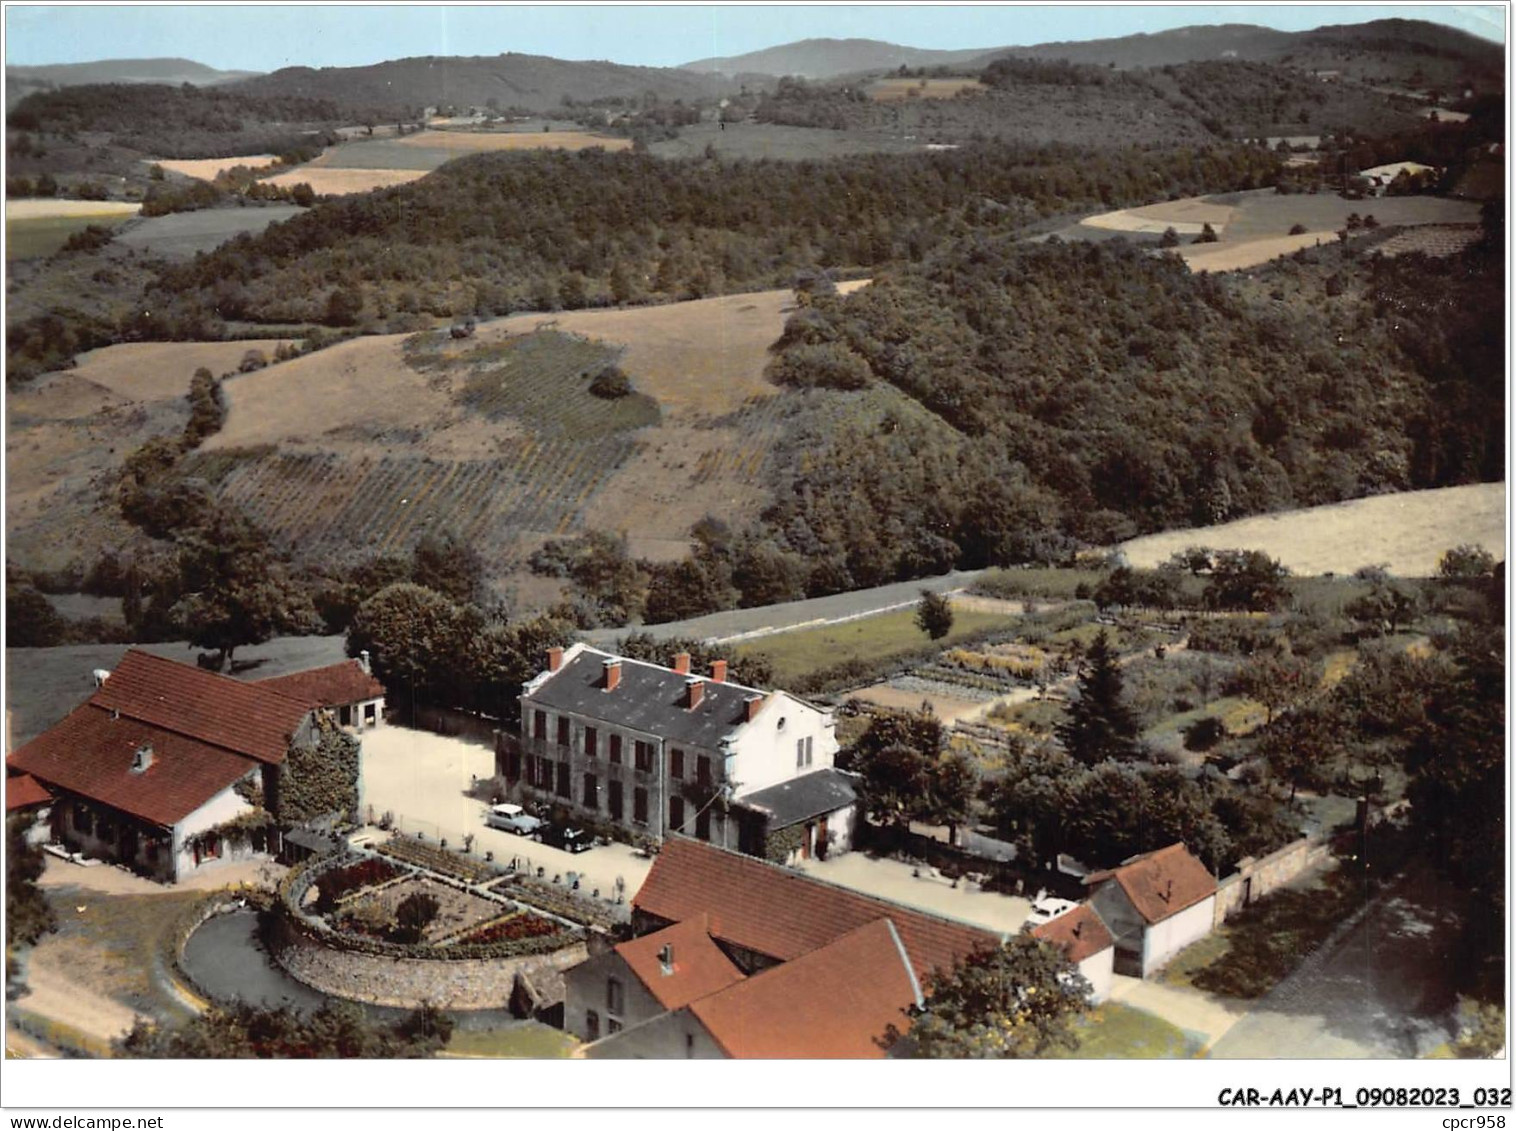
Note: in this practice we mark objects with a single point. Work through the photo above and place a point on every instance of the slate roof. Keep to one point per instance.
(251, 719)
(1161, 883)
(800, 799)
(700, 967)
(91, 754)
(23, 791)
(833, 1003)
(1081, 932)
(336, 685)
(780, 913)
(649, 699)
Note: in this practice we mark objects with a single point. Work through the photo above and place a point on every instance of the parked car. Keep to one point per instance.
(513, 819)
(565, 836)
(1048, 907)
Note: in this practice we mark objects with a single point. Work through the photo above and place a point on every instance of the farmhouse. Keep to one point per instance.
(660, 750)
(740, 958)
(151, 768)
(1154, 905)
(347, 690)
(1087, 943)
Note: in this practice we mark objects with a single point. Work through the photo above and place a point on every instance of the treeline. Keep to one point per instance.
(505, 230)
(173, 121)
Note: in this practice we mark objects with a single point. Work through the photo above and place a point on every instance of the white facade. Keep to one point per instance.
(1161, 941)
(1099, 969)
(225, 806)
(788, 738)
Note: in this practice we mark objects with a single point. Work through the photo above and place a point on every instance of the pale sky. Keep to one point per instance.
(266, 37)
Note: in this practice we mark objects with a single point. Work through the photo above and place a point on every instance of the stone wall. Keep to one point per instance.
(1255, 879)
(466, 983)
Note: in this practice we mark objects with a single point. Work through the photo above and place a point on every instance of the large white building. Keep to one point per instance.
(659, 749)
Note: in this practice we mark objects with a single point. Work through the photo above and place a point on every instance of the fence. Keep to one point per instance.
(612, 898)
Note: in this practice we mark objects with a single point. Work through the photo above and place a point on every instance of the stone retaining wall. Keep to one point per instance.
(1255, 879)
(464, 983)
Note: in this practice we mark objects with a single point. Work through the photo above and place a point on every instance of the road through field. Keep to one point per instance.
(748, 624)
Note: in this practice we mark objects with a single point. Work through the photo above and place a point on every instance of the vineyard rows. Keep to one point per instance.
(334, 506)
(759, 424)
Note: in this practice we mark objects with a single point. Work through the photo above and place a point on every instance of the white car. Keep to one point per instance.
(1047, 908)
(513, 819)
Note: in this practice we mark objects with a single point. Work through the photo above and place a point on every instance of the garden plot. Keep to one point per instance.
(457, 911)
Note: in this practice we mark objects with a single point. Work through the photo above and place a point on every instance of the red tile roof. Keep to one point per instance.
(1161, 883)
(91, 754)
(699, 966)
(835, 1002)
(780, 913)
(22, 791)
(337, 685)
(246, 718)
(1081, 932)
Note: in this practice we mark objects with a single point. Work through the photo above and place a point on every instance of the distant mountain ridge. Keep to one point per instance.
(125, 70)
(1392, 49)
(535, 82)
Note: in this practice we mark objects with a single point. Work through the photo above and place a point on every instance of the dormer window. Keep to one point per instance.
(142, 758)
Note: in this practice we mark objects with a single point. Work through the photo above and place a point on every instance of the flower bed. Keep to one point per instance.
(365, 873)
(522, 925)
(559, 901)
(456, 910)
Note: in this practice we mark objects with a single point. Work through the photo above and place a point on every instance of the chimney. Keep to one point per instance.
(694, 691)
(363, 662)
(666, 958)
(554, 659)
(682, 663)
(752, 705)
(612, 674)
(1079, 926)
(1168, 891)
(143, 758)
(718, 671)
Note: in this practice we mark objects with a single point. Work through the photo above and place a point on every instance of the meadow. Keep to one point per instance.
(35, 229)
(897, 90)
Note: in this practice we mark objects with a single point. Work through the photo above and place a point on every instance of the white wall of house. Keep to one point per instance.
(218, 810)
(673, 1036)
(1099, 969)
(773, 747)
(1166, 939)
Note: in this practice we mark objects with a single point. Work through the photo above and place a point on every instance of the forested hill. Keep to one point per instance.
(501, 232)
(1004, 402)
(532, 82)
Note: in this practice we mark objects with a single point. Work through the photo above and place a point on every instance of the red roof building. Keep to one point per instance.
(145, 767)
(1154, 905)
(347, 689)
(22, 791)
(779, 964)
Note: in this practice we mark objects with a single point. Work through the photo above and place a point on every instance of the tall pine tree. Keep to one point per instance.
(1099, 725)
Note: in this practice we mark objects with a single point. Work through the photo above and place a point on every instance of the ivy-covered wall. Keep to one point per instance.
(781, 843)
(321, 778)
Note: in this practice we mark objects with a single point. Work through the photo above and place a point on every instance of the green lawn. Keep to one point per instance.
(1059, 584)
(528, 1040)
(1119, 1032)
(805, 650)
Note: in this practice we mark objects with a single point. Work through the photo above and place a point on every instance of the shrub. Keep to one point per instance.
(1204, 734)
(414, 915)
(611, 384)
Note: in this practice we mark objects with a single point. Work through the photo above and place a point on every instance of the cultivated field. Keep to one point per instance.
(362, 166)
(38, 228)
(209, 168)
(1407, 533)
(1254, 227)
(896, 90)
(367, 444)
(181, 235)
(1438, 240)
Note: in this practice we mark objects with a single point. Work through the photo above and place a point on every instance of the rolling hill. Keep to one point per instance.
(21, 81)
(532, 82)
(1402, 52)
